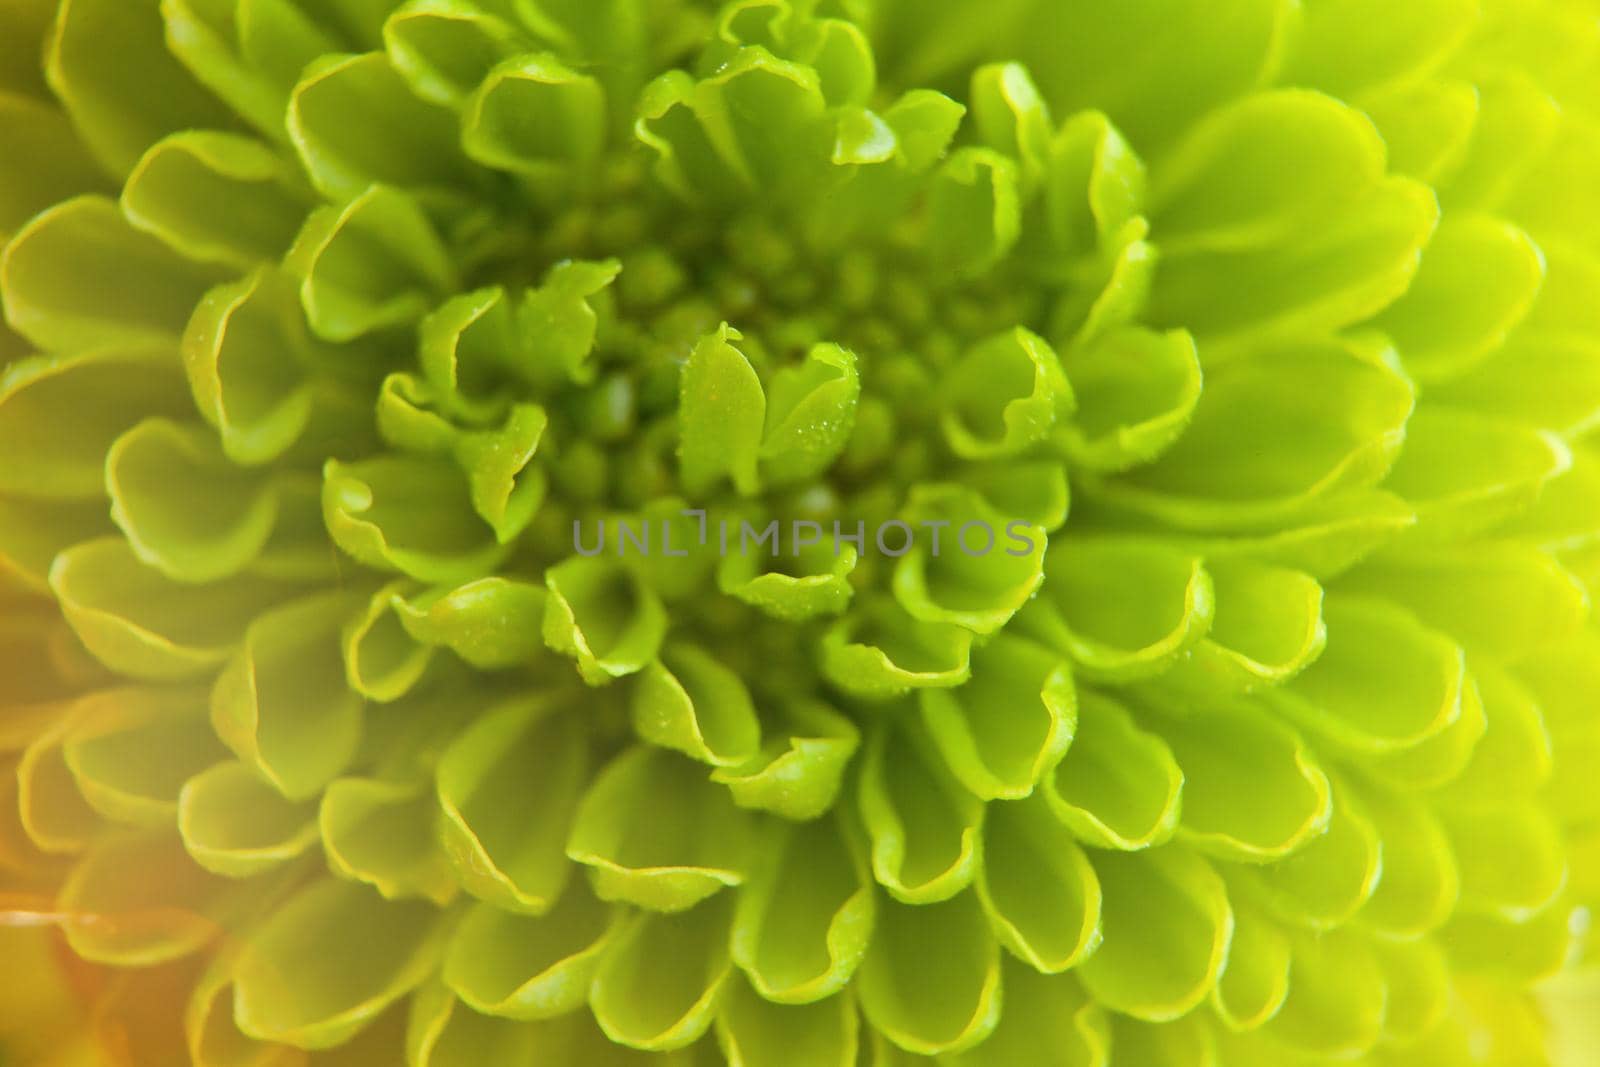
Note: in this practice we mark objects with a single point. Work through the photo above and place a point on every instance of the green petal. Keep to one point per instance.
(1118, 786)
(478, 1039)
(1122, 609)
(353, 121)
(685, 160)
(1185, 1042)
(280, 704)
(1417, 977)
(51, 812)
(167, 906)
(34, 532)
(560, 320)
(382, 661)
(1328, 539)
(1118, 292)
(213, 1038)
(1385, 684)
(1337, 995)
(371, 262)
(974, 211)
(1511, 858)
(1264, 170)
(810, 415)
(1329, 879)
(1001, 731)
(624, 39)
(131, 750)
(1167, 928)
(236, 825)
(44, 160)
(1427, 126)
(522, 967)
(78, 276)
(721, 410)
(1268, 437)
(248, 58)
(328, 961)
(1194, 58)
(463, 347)
(659, 984)
(233, 352)
(1478, 279)
(1340, 271)
(381, 833)
(1439, 760)
(1137, 391)
(1251, 1049)
(1252, 789)
(107, 62)
(1047, 1021)
(1267, 629)
(44, 666)
(765, 118)
(1006, 395)
(1521, 953)
(690, 702)
(1513, 757)
(1563, 306)
(931, 981)
(299, 549)
(445, 48)
(408, 419)
(1351, 47)
(1502, 602)
(1560, 680)
(490, 622)
(507, 489)
(534, 116)
(658, 833)
(25, 25)
(1035, 493)
(798, 773)
(141, 624)
(1038, 887)
(216, 197)
(602, 616)
(773, 25)
(804, 920)
(923, 823)
(842, 56)
(1465, 473)
(410, 515)
(186, 510)
(754, 1032)
(971, 582)
(1094, 185)
(814, 582)
(923, 123)
(1011, 117)
(443, 1032)
(1548, 381)
(1255, 980)
(1420, 883)
(60, 415)
(527, 756)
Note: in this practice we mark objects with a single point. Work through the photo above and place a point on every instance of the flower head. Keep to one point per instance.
(802, 532)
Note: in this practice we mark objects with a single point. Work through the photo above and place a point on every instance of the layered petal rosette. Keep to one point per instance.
(799, 533)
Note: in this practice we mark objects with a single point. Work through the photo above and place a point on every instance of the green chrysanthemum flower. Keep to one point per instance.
(472, 480)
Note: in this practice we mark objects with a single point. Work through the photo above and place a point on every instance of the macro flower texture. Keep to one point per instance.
(799, 533)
